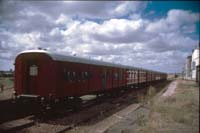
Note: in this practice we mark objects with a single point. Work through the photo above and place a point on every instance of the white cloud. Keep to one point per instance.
(83, 9)
(175, 20)
(119, 25)
(182, 17)
(29, 40)
(71, 27)
(128, 7)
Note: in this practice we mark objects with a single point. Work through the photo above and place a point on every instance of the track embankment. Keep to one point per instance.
(97, 114)
(171, 89)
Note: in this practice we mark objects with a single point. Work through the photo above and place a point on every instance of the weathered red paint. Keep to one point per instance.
(52, 78)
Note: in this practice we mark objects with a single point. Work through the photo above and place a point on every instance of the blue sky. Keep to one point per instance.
(150, 34)
(162, 7)
(165, 6)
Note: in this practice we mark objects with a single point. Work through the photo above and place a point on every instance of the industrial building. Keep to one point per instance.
(195, 64)
(188, 70)
(191, 68)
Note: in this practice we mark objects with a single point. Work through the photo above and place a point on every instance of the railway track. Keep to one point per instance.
(10, 110)
(16, 125)
(62, 119)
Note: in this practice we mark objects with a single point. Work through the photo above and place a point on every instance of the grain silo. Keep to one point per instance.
(188, 68)
(195, 64)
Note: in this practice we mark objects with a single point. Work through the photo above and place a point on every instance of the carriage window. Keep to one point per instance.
(129, 75)
(67, 75)
(115, 76)
(82, 77)
(77, 76)
(73, 75)
(86, 75)
(33, 70)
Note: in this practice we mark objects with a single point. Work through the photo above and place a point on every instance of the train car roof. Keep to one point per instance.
(58, 57)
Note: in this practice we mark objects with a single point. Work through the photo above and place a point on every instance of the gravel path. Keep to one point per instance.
(171, 89)
(102, 126)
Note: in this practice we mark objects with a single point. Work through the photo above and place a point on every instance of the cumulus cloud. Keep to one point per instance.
(121, 31)
(175, 20)
(83, 9)
(170, 41)
(109, 31)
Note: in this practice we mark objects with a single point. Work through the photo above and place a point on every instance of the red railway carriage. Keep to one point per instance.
(40, 73)
(35, 74)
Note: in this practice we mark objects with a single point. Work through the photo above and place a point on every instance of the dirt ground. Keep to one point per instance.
(174, 109)
(6, 93)
(171, 89)
(121, 121)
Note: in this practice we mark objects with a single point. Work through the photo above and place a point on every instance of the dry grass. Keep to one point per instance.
(148, 123)
(7, 82)
(8, 88)
(177, 113)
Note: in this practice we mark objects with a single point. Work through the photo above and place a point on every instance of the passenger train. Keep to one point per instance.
(48, 76)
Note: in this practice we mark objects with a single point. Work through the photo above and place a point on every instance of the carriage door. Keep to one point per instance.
(32, 77)
(104, 80)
